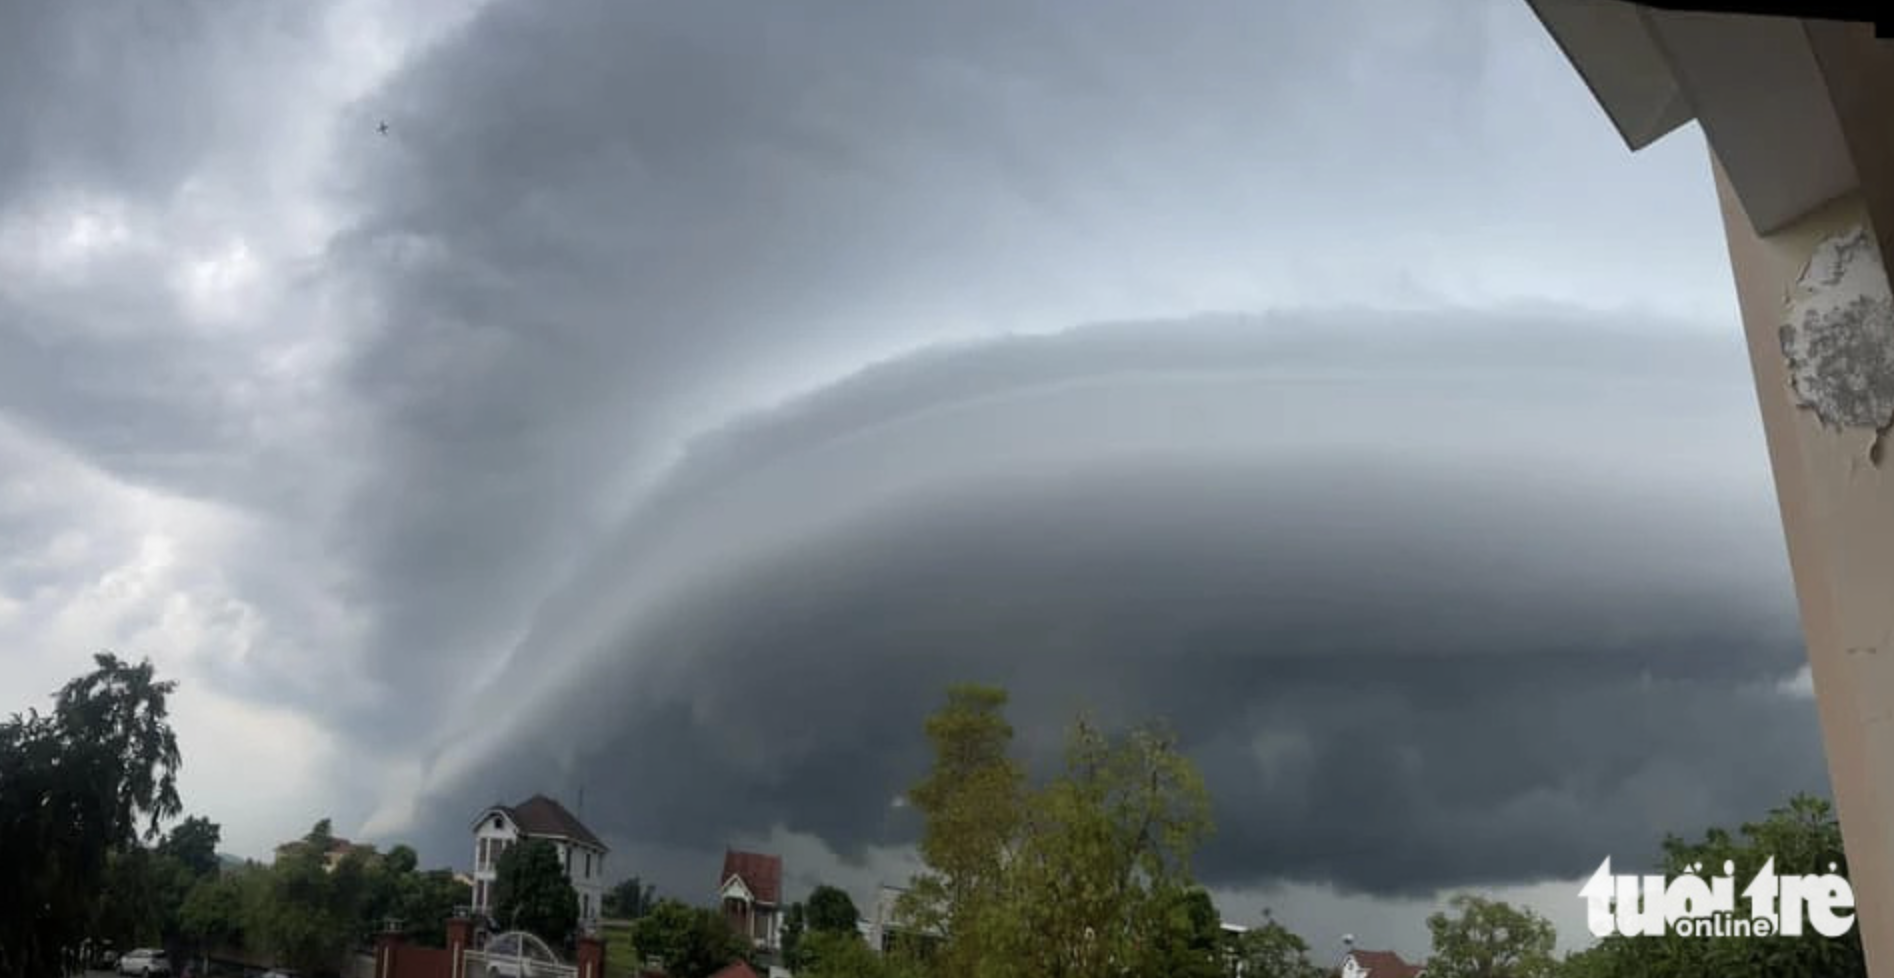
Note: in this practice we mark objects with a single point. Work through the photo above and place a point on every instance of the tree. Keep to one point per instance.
(1485, 938)
(630, 899)
(1270, 950)
(310, 916)
(1188, 942)
(831, 910)
(400, 860)
(193, 842)
(77, 785)
(1803, 837)
(531, 892)
(795, 924)
(218, 909)
(973, 804)
(139, 897)
(689, 942)
(427, 901)
(838, 954)
(1087, 876)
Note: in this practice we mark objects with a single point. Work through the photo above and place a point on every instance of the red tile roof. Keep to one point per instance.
(1385, 964)
(735, 969)
(762, 874)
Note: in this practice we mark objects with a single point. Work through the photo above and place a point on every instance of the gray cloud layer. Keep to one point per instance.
(1430, 613)
(1475, 594)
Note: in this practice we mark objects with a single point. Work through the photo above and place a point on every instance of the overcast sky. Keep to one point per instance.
(679, 395)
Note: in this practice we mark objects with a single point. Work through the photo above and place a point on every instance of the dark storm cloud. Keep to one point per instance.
(1487, 641)
(594, 233)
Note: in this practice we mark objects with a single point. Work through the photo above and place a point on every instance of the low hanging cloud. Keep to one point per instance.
(678, 396)
(1430, 612)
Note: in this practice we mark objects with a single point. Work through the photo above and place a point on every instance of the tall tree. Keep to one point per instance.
(1187, 942)
(427, 901)
(217, 912)
(687, 941)
(1804, 838)
(139, 897)
(834, 954)
(1482, 938)
(76, 785)
(1270, 950)
(1105, 855)
(193, 842)
(630, 899)
(973, 802)
(1087, 876)
(795, 925)
(310, 915)
(531, 892)
(831, 910)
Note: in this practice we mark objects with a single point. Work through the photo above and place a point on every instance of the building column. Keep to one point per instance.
(1821, 344)
(387, 947)
(591, 957)
(459, 941)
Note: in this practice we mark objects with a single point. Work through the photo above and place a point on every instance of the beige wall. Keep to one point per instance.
(1837, 508)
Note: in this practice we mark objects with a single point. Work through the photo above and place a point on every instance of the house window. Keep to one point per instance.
(480, 894)
(588, 865)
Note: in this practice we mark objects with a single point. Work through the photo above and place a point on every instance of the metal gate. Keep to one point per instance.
(515, 954)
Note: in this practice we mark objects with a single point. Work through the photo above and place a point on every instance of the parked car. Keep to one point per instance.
(144, 963)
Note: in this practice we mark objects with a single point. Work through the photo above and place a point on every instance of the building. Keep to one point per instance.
(1378, 964)
(1794, 110)
(339, 849)
(883, 925)
(750, 891)
(539, 818)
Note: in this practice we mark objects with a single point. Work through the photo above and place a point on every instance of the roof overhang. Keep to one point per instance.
(501, 810)
(1756, 85)
(735, 889)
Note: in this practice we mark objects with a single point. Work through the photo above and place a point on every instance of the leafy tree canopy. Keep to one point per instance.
(689, 942)
(630, 899)
(77, 785)
(1082, 877)
(1482, 938)
(531, 892)
(831, 910)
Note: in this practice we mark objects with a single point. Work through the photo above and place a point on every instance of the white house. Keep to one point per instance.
(1379, 964)
(501, 827)
(750, 890)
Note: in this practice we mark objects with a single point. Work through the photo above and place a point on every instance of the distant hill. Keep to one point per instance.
(227, 861)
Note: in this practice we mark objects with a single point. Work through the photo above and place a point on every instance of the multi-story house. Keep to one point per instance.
(502, 827)
(751, 894)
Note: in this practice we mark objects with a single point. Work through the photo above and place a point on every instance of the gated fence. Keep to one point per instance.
(515, 954)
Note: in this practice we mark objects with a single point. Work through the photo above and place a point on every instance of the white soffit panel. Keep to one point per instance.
(1756, 89)
(1610, 45)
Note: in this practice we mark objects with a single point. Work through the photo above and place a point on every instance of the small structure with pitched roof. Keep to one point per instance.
(750, 890)
(501, 827)
(1378, 964)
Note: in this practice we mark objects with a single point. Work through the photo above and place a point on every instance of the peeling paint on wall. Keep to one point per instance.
(1838, 337)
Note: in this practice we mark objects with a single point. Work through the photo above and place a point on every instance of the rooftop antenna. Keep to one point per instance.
(581, 800)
